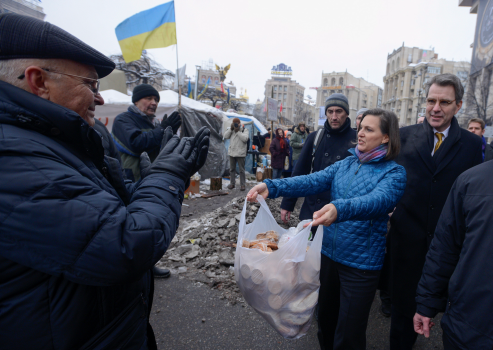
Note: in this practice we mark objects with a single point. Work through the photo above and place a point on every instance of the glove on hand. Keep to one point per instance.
(201, 145)
(177, 157)
(174, 120)
(144, 165)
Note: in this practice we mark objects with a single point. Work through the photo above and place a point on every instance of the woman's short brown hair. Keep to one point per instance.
(389, 124)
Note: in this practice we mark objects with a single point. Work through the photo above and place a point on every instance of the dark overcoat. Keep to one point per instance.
(429, 180)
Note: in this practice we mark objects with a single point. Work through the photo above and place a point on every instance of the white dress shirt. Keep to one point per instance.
(435, 138)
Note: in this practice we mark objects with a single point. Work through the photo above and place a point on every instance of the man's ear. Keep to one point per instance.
(36, 80)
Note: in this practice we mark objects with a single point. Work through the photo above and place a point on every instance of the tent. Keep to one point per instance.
(194, 115)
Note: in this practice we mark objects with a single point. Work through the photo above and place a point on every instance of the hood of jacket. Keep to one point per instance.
(296, 130)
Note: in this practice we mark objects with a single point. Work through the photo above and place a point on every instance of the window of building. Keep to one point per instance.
(402, 83)
(339, 91)
(341, 81)
(326, 82)
(434, 70)
(333, 82)
(285, 95)
(274, 95)
(410, 58)
(462, 75)
(275, 87)
(285, 89)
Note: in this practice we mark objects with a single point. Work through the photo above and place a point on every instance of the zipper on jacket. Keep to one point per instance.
(337, 225)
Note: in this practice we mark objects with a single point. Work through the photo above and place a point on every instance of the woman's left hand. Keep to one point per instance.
(325, 216)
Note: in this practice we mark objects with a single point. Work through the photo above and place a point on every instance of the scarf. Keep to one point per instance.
(150, 118)
(375, 154)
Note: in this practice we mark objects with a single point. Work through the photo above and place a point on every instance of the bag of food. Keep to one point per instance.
(280, 283)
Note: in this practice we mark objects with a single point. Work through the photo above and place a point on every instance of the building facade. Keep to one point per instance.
(22, 7)
(290, 94)
(408, 70)
(479, 89)
(360, 93)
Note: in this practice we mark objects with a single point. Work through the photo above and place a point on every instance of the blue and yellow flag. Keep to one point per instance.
(205, 88)
(190, 92)
(149, 29)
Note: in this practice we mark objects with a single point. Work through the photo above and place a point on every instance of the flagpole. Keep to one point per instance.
(177, 65)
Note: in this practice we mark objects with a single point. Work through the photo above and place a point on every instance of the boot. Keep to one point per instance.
(231, 186)
(160, 273)
(242, 188)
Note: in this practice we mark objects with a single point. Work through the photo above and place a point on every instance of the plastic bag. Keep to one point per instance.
(282, 286)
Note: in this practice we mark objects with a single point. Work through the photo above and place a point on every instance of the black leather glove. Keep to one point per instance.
(177, 157)
(144, 165)
(201, 145)
(174, 120)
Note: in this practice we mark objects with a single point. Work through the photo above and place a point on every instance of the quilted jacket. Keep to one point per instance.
(363, 194)
(74, 259)
(238, 142)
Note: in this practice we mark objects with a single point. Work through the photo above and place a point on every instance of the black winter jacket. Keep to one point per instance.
(134, 134)
(74, 259)
(429, 180)
(333, 147)
(108, 144)
(458, 273)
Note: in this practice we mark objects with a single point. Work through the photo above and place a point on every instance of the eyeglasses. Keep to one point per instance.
(92, 84)
(431, 102)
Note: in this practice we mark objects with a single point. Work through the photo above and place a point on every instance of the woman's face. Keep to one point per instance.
(370, 135)
(280, 133)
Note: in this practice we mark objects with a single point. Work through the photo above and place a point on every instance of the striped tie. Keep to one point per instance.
(439, 135)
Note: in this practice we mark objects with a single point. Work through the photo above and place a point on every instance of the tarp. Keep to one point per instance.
(194, 115)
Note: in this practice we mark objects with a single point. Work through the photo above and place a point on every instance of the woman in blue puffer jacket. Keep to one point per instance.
(365, 188)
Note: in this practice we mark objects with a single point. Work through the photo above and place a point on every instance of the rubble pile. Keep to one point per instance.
(204, 249)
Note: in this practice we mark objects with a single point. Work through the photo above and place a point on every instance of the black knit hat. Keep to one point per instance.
(144, 90)
(338, 100)
(28, 37)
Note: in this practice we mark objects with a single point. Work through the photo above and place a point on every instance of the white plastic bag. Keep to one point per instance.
(283, 285)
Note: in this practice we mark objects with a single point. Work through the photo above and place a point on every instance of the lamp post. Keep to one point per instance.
(196, 82)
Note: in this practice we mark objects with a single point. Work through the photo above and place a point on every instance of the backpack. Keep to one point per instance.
(316, 143)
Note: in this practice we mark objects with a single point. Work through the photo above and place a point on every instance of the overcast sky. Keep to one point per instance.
(311, 36)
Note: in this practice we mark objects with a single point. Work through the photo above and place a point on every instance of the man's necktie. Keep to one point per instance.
(439, 135)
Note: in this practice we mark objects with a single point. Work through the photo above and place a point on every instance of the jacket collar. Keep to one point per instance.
(343, 129)
(25, 110)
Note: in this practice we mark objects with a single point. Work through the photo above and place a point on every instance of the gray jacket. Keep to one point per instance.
(298, 139)
(238, 142)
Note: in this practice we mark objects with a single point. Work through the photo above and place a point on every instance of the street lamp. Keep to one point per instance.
(196, 82)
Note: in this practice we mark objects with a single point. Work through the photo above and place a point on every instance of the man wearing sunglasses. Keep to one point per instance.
(434, 154)
(77, 242)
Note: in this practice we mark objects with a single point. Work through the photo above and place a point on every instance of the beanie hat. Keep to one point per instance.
(144, 90)
(338, 100)
(361, 111)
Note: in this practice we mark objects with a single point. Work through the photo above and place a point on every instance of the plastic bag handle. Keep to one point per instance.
(241, 226)
(264, 205)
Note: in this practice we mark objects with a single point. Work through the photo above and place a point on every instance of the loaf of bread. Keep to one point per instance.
(245, 243)
(269, 235)
(295, 319)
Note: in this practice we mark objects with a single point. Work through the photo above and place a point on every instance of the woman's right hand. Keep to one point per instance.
(260, 189)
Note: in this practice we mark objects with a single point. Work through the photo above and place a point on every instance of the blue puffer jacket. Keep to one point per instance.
(74, 259)
(363, 194)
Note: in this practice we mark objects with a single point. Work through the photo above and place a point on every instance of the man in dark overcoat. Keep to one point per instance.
(434, 154)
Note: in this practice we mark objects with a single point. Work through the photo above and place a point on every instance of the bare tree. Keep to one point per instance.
(477, 96)
(213, 95)
(144, 71)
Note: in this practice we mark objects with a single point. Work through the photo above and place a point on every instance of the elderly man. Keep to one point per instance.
(322, 149)
(359, 116)
(76, 246)
(477, 126)
(434, 154)
(134, 131)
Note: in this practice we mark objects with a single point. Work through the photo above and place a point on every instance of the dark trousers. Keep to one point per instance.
(345, 299)
(232, 169)
(402, 334)
(448, 343)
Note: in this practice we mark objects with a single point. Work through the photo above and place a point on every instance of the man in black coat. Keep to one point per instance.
(434, 154)
(458, 274)
(477, 126)
(334, 141)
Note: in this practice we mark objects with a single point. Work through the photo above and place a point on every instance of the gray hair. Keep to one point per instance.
(447, 80)
(11, 69)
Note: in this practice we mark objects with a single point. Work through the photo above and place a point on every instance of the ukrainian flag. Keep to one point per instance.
(149, 29)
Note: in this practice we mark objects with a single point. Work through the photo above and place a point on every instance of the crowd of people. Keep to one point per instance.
(85, 213)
